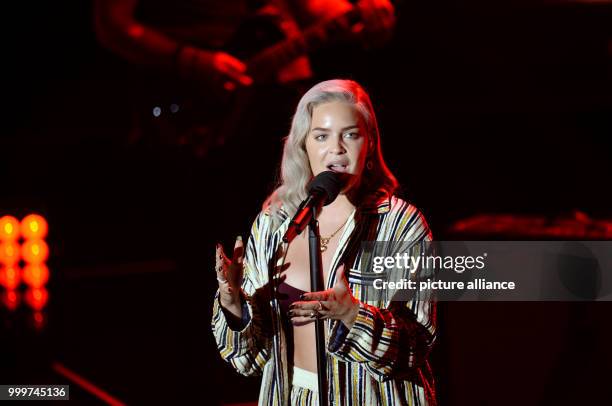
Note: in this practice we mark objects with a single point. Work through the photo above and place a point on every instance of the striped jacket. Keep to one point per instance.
(381, 360)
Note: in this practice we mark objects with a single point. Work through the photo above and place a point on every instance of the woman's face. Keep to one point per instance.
(337, 140)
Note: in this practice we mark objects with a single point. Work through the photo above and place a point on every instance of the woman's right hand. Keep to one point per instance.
(229, 275)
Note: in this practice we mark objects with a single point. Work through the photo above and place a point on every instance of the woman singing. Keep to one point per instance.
(376, 350)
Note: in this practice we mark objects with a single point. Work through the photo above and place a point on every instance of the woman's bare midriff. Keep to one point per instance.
(298, 276)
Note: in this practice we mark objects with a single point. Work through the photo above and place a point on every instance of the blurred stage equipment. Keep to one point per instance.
(23, 270)
(577, 226)
(199, 116)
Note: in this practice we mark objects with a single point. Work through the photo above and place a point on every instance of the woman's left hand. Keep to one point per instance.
(337, 303)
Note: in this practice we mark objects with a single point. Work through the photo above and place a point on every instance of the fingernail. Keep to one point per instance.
(239, 238)
(290, 313)
(302, 297)
(292, 306)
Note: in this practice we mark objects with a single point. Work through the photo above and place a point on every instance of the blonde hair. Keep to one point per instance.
(295, 171)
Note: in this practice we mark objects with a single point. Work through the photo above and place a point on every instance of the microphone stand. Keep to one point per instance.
(316, 285)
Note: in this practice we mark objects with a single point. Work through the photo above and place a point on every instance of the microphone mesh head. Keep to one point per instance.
(329, 183)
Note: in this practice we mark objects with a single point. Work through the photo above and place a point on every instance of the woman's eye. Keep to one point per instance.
(320, 137)
(351, 135)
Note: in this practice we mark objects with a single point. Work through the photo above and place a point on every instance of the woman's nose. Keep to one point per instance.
(337, 147)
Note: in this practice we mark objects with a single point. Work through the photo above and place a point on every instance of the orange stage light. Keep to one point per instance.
(37, 298)
(39, 320)
(10, 277)
(34, 227)
(9, 228)
(9, 253)
(35, 275)
(10, 299)
(35, 251)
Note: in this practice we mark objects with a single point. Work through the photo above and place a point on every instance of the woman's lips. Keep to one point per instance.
(338, 168)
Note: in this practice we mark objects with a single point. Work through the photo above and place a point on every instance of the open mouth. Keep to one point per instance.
(338, 168)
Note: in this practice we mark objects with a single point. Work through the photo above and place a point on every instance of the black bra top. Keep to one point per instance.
(287, 294)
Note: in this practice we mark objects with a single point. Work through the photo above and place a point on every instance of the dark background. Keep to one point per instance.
(484, 107)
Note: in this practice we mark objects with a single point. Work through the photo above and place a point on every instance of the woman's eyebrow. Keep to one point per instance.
(350, 127)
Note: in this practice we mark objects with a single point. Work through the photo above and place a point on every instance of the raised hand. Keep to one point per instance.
(337, 303)
(229, 275)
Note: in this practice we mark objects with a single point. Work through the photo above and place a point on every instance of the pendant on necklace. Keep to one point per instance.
(323, 243)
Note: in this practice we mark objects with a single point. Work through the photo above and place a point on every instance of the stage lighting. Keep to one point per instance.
(9, 253)
(9, 228)
(34, 227)
(34, 251)
(39, 320)
(36, 298)
(10, 277)
(10, 299)
(35, 275)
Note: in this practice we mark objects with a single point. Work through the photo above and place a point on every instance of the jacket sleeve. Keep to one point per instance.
(392, 342)
(246, 345)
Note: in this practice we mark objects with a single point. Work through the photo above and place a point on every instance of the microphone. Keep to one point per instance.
(322, 190)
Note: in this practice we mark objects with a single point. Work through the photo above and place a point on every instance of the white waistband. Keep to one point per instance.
(305, 379)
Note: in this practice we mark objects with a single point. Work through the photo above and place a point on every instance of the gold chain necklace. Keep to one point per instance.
(325, 240)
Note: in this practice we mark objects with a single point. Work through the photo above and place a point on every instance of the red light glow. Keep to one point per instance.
(37, 298)
(10, 299)
(39, 320)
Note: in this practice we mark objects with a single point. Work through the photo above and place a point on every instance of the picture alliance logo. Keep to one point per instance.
(457, 263)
